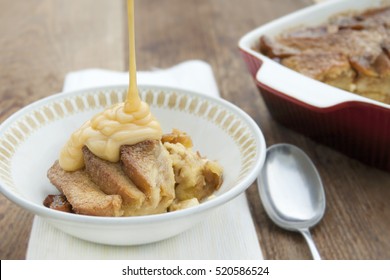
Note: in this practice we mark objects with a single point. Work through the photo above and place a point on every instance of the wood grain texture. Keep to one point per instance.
(43, 40)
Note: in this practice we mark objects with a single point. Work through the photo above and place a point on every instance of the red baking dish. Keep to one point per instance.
(357, 126)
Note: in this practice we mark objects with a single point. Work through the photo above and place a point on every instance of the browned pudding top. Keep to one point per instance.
(351, 52)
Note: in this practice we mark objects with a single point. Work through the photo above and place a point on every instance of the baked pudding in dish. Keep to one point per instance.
(350, 51)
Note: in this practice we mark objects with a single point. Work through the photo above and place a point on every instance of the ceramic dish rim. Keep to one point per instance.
(263, 76)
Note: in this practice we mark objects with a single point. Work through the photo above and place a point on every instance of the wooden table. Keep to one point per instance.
(42, 40)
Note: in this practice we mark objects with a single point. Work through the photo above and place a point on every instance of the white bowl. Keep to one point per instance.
(30, 141)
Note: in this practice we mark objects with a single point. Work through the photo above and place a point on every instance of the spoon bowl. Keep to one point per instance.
(291, 191)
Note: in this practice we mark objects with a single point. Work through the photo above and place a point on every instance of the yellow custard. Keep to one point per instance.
(125, 123)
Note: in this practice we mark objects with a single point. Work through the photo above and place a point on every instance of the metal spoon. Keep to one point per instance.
(291, 191)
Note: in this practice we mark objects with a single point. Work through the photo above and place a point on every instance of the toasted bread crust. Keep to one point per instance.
(83, 194)
(111, 179)
(148, 165)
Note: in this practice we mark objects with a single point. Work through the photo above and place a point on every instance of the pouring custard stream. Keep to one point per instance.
(125, 123)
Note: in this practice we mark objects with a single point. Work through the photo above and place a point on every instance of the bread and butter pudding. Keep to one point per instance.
(350, 51)
(151, 177)
(119, 163)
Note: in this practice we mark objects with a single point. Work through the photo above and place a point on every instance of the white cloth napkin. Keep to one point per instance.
(228, 233)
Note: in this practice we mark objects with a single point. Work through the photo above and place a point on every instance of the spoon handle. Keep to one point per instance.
(312, 246)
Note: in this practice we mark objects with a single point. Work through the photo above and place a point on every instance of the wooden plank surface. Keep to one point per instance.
(42, 40)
